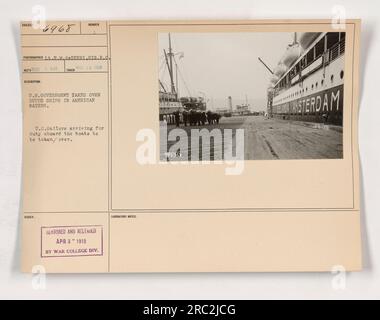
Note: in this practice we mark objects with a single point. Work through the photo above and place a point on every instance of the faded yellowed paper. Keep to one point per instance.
(89, 205)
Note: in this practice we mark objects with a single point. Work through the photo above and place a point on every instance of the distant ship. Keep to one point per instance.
(307, 84)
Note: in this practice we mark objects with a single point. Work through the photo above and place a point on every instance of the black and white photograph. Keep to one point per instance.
(256, 96)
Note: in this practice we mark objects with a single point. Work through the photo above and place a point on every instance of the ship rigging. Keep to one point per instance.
(170, 100)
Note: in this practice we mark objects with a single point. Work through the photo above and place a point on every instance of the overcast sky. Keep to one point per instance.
(225, 64)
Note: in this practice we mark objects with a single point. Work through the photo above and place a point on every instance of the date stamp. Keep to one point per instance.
(71, 241)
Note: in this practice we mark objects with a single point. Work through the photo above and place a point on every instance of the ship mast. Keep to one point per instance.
(173, 89)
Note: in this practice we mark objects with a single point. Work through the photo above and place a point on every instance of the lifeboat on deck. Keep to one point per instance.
(280, 69)
(293, 52)
(306, 38)
(274, 79)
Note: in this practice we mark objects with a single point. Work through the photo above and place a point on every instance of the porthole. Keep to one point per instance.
(342, 74)
(322, 82)
(332, 78)
(312, 87)
(316, 85)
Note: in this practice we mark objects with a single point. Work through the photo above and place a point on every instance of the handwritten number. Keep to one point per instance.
(69, 27)
(60, 29)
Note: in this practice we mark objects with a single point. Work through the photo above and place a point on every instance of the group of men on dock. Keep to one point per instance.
(195, 118)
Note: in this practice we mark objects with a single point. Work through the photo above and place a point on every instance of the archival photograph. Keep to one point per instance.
(251, 96)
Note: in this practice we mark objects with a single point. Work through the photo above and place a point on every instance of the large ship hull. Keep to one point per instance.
(316, 93)
(324, 106)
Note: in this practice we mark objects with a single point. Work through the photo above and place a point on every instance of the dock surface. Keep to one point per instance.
(267, 139)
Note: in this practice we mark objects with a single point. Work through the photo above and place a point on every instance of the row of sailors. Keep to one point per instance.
(191, 117)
